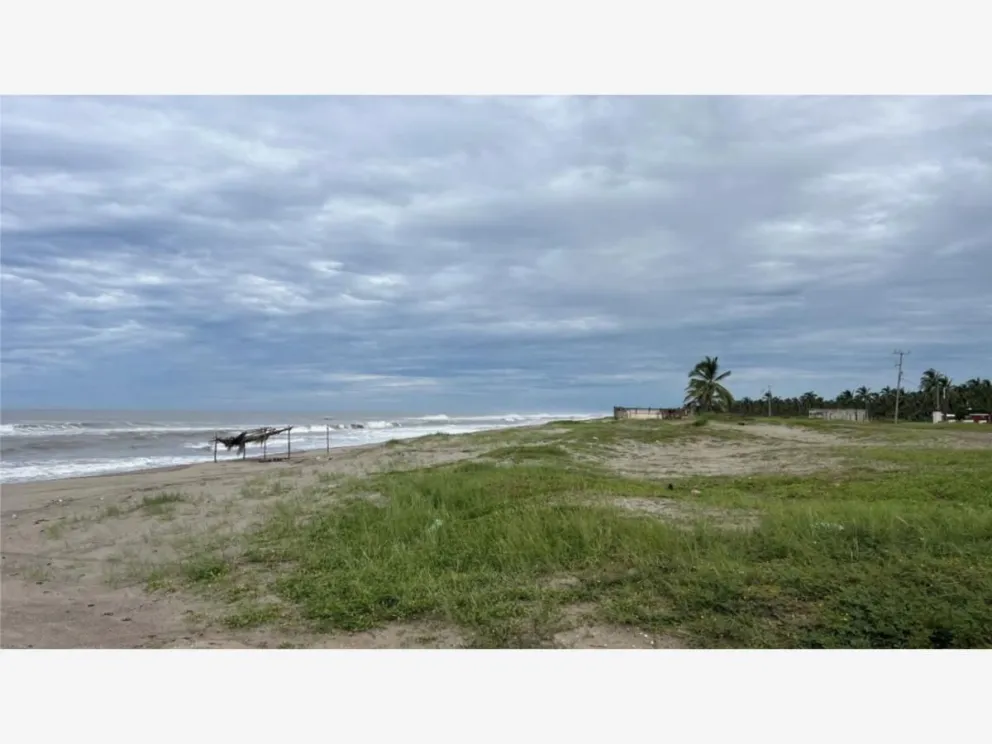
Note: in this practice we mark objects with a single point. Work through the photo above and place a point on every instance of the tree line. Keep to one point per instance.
(707, 391)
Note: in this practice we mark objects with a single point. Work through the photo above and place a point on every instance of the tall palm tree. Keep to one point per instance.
(935, 385)
(705, 389)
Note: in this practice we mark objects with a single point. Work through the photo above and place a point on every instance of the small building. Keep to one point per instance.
(939, 417)
(979, 418)
(621, 412)
(839, 414)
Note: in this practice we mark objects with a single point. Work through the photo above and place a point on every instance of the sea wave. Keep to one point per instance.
(84, 428)
(145, 445)
(37, 471)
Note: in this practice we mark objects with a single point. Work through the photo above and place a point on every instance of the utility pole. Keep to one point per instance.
(768, 394)
(900, 353)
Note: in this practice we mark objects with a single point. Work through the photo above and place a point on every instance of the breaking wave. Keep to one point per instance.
(44, 450)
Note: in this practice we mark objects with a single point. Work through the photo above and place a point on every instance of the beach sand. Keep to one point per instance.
(69, 546)
(77, 553)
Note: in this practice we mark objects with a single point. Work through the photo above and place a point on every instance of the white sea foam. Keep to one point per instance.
(380, 424)
(35, 471)
(96, 429)
(192, 444)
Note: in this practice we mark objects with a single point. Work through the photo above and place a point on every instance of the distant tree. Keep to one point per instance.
(864, 396)
(972, 396)
(705, 389)
(935, 385)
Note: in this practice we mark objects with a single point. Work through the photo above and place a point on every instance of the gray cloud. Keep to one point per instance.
(486, 253)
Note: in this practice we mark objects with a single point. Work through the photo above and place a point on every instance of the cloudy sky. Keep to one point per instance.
(486, 254)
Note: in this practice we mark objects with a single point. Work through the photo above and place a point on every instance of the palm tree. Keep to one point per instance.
(935, 384)
(975, 394)
(971, 396)
(705, 390)
(864, 395)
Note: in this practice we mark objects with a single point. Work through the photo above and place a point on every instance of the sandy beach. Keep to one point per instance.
(77, 553)
(61, 552)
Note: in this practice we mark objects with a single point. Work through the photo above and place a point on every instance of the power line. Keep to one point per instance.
(900, 353)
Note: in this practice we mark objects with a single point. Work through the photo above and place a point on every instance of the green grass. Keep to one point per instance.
(894, 551)
(55, 531)
(880, 430)
(161, 504)
(530, 453)
(267, 487)
(594, 434)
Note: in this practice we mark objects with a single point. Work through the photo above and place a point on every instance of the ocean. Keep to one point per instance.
(45, 445)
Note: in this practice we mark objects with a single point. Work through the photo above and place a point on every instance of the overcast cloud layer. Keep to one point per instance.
(486, 254)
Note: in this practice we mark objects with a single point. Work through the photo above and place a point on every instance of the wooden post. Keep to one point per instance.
(289, 443)
(264, 448)
(327, 434)
(215, 446)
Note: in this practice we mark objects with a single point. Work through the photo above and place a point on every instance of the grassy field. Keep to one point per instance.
(886, 544)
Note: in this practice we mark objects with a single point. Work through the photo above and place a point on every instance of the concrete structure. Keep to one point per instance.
(839, 414)
(619, 412)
